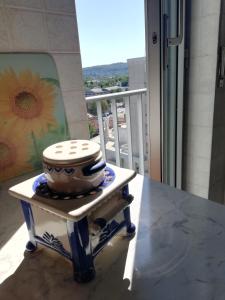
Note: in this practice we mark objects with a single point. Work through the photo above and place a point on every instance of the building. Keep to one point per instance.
(97, 91)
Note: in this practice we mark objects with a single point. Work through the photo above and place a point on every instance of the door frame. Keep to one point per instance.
(153, 63)
(155, 56)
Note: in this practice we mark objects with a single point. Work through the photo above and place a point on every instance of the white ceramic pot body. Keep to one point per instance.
(73, 178)
(74, 166)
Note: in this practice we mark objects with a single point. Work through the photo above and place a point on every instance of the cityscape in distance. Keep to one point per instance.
(109, 70)
(115, 78)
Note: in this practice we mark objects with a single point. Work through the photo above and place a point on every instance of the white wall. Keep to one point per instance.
(49, 26)
(199, 102)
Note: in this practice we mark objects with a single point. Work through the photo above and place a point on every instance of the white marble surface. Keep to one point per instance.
(177, 253)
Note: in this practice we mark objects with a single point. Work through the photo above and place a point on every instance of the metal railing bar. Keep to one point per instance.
(129, 140)
(140, 135)
(101, 129)
(116, 134)
(115, 95)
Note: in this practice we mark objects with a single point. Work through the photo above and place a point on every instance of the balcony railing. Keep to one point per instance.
(127, 97)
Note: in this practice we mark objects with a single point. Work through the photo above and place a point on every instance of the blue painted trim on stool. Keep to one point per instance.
(112, 229)
(131, 229)
(130, 226)
(55, 245)
(27, 212)
(125, 191)
(78, 233)
(30, 247)
(101, 222)
(125, 194)
(47, 239)
(126, 213)
(28, 216)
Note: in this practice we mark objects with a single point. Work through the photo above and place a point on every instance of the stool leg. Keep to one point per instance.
(81, 250)
(28, 216)
(130, 226)
(126, 212)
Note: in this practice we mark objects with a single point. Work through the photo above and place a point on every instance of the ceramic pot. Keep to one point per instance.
(73, 170)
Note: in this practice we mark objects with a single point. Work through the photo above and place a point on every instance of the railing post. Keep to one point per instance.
(140, 135)
(129, 140)
(116, 135)
(101, 128)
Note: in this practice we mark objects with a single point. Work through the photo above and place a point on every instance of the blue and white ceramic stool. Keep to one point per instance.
(77, 227)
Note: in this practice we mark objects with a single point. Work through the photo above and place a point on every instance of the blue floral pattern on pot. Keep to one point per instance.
(41, 188)
(69, 171)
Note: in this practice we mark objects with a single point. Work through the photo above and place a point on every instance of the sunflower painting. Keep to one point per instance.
(31, 111)
(13, 159)
(27, 101)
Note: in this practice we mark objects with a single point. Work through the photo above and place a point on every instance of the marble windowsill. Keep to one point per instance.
(177, 253)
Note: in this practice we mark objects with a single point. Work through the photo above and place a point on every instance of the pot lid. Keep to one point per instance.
(73, 151)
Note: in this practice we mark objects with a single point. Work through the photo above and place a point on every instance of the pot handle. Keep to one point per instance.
(92, 169)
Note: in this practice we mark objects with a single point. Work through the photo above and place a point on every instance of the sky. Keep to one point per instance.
(110, 30)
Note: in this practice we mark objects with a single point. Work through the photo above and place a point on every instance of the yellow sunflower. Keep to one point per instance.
(14, 153)
(26, 101)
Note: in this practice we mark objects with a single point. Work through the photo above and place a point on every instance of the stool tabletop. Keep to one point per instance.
(76, 208)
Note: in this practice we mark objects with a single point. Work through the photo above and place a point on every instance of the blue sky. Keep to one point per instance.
(110, 30)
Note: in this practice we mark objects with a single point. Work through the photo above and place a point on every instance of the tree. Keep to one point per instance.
(105, 106)
(92, 107)
(92, 130)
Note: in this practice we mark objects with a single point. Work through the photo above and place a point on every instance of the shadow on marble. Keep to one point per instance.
(44, 274)
(11, 217)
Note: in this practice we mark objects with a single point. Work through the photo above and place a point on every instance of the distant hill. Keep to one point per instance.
(96, 72)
